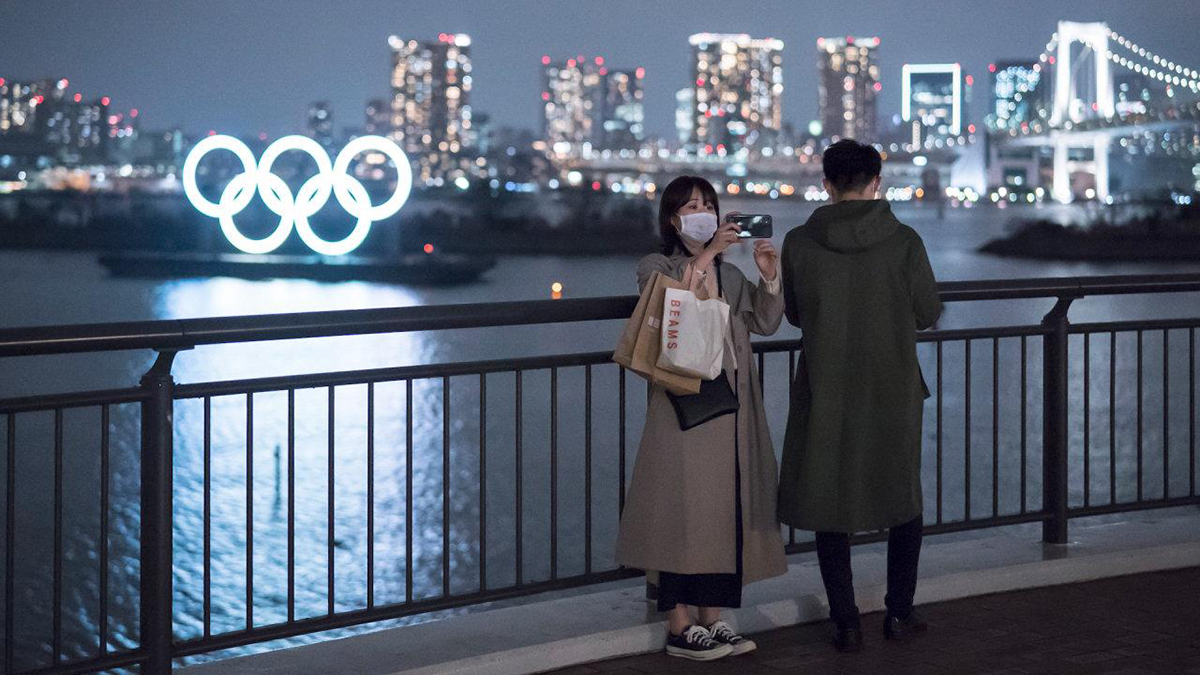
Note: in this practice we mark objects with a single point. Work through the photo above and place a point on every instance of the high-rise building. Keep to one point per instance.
(20, 101)
(685, 107)
(320, 123)
(588, 107)
(378, 117)
(738, 82)
(933, 101)
(431, 111)
(848, 87)
(1016, 94)
(78, 130)
(622, 115)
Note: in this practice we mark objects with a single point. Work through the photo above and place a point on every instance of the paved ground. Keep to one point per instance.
(1134, 625)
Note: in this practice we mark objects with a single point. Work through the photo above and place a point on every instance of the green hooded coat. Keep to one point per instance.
(858, 283)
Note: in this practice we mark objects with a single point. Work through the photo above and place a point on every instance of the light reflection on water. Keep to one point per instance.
(58, 288)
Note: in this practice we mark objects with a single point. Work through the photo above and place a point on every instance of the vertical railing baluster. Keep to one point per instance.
(291, 506)
(1192, 411)
(1055, 435)
(408, 491)
(104, 500)
(791, 397)
(1112, 417)
(56, 644)
(331, 592)
(967, 430)
(155, 599)
(370, 495)
(249, 511)
(938, 477)
(587, 470)
(995, 427)
(1024, 420)
(10, 519)
(1139, 416)
(553, 473)
(207, 516)
(1087, 419)
(621, 441)
(445, 487)
(1166, 440)
(482, 482)
(520, 544)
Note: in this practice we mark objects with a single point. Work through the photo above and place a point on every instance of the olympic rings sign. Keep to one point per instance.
(295, 210)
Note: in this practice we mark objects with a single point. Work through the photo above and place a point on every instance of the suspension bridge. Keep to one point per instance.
(1080, 120)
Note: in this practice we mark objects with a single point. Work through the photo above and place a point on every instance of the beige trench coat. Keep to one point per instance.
(679, 512)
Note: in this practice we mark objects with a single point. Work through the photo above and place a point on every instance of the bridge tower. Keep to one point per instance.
(1095, 37)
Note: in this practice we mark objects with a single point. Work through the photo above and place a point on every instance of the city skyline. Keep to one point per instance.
(275, 99)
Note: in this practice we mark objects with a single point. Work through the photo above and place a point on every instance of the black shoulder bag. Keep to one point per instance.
(715, 398)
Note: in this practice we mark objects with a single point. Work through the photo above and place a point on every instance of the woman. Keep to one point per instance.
(701, 504)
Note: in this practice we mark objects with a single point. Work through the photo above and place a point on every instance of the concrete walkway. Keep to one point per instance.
(552, 632)
(1131, 625)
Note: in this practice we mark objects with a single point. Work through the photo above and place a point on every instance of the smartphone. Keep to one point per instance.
(754, 226)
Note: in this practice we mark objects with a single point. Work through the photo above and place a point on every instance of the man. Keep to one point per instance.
(858, 284)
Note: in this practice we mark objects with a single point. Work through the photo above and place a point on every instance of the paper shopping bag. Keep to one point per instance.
(640, 340)
(693, 336)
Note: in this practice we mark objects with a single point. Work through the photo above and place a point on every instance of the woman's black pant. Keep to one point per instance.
(904, 552)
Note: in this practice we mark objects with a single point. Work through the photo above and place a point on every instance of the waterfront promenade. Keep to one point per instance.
(1132, 625)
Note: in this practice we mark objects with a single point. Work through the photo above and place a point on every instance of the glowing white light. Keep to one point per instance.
(295, 210)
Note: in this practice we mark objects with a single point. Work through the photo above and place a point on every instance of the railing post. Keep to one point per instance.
(157, 485)
(1054, 422)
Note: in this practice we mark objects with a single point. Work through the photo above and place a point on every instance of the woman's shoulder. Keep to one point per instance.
(655, 262)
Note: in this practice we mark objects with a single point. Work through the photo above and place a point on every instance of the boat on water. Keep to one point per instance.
(412, 269)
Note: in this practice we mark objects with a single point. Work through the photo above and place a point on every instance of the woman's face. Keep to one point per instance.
(697, 203)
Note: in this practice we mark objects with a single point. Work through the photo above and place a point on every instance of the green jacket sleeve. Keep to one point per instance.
(922, 287)
(791, 306)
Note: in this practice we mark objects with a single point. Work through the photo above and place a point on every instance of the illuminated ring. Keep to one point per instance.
(266, 179)
(403, 177)
(243, 184)
(202, 204)
(356, 191)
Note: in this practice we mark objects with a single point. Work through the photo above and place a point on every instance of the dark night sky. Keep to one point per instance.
(241, 66)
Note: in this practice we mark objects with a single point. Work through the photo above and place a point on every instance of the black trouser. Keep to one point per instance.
(904, 552)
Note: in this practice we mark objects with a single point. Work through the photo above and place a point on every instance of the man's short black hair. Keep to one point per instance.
(850, 165)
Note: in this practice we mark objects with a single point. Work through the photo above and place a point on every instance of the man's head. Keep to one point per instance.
(851, 170)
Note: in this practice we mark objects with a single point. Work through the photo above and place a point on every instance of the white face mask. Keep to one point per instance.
(698, 227)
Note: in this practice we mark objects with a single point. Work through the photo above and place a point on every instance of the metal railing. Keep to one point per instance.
(158, 397)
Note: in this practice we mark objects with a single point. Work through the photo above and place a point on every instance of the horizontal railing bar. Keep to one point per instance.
(1132, 325)
(438, 370)
(83, 399)
(108, 662)
(1124, 507)
(383, 612)
(187, 333)
(430, 371)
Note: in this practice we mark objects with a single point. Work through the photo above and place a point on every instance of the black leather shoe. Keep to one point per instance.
(902, 629)
(848, 639)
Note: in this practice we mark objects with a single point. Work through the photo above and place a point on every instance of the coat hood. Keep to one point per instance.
(853, 225)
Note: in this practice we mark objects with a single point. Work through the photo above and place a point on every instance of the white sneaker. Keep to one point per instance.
(695, 643)
(721, 633)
